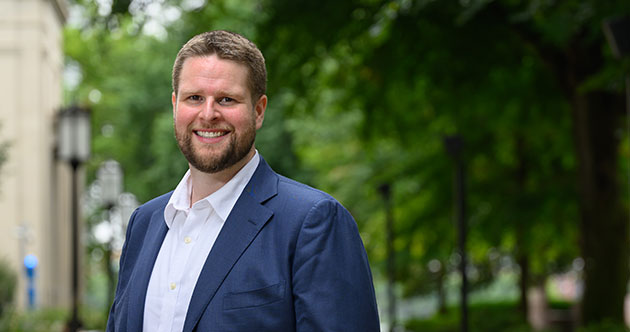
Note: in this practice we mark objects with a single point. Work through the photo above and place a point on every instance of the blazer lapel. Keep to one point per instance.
(241, 227)
(155, 233)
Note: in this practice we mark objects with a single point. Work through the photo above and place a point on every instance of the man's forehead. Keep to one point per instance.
(213, 65)
(202, 73)
(218, 58)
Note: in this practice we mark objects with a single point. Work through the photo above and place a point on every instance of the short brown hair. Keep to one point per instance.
(227, 46)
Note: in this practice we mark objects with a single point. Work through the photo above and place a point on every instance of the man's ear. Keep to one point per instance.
(259, 108)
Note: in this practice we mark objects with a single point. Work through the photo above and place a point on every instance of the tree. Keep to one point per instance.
(528, 71)
(363, 94)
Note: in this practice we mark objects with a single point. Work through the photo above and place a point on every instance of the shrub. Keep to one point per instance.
(8, 283)
(483, 317)
(605, 326)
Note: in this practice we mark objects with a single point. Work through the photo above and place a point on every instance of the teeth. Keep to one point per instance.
(210, 134)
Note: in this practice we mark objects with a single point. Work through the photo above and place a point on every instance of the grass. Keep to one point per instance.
(483, 317)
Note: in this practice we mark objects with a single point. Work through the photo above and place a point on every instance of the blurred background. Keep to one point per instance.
(481, 145)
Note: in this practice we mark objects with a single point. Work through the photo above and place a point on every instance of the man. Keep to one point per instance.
(237, 247)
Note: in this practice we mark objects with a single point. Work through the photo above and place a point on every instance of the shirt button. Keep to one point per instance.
(187, 240)
(173, 286)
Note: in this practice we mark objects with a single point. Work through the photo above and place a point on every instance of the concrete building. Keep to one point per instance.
(34, 194)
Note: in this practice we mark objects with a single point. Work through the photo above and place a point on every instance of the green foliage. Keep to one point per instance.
(605, 326)
(120, 84)
(366, 99)
(483, 317)
(386, 81)
(8, 283)
(49, 320)
(34, 321)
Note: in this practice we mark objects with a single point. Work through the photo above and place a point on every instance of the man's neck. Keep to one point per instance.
(205, 184)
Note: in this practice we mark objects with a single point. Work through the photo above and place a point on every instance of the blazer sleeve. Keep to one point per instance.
(332, 283)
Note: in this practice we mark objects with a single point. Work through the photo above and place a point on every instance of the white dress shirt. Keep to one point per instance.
(191, 235)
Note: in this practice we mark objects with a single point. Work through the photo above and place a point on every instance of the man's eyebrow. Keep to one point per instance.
(230, 92)
(219, 92)
(189, 92)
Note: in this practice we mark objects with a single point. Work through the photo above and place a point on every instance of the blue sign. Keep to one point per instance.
(30, 261)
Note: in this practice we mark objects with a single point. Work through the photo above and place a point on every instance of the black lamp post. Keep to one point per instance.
(74, 148)
(454, 146)
(110, 178)
(385, 190)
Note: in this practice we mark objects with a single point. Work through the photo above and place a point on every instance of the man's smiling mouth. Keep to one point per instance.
(210, 134)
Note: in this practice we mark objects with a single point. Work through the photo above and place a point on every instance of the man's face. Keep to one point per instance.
(215, 117)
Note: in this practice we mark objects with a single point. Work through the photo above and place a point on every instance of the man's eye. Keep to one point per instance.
(226, 100)
(195, 98)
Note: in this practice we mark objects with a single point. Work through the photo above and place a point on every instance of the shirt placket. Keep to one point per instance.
(186, 239)
(169, 300)
(189, 238)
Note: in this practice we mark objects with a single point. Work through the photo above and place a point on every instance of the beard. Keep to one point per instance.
(211, 161)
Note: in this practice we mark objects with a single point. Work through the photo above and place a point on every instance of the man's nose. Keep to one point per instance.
(209, 111)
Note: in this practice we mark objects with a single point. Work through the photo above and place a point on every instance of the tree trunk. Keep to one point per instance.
(604, 226)
(604, 220)
(523, 262)
(522, 226)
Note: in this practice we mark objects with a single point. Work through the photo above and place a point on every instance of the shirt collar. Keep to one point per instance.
(222, 200)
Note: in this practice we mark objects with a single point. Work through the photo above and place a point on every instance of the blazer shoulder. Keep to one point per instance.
(289, 188)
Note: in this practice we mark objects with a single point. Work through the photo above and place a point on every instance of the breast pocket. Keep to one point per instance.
(254, 298)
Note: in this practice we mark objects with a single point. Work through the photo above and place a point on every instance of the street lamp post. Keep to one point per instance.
(110, 178)
(454, 146)
(74, 148)
(127, 203)
(385, 190)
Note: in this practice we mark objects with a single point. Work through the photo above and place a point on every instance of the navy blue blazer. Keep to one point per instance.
(289, 258)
